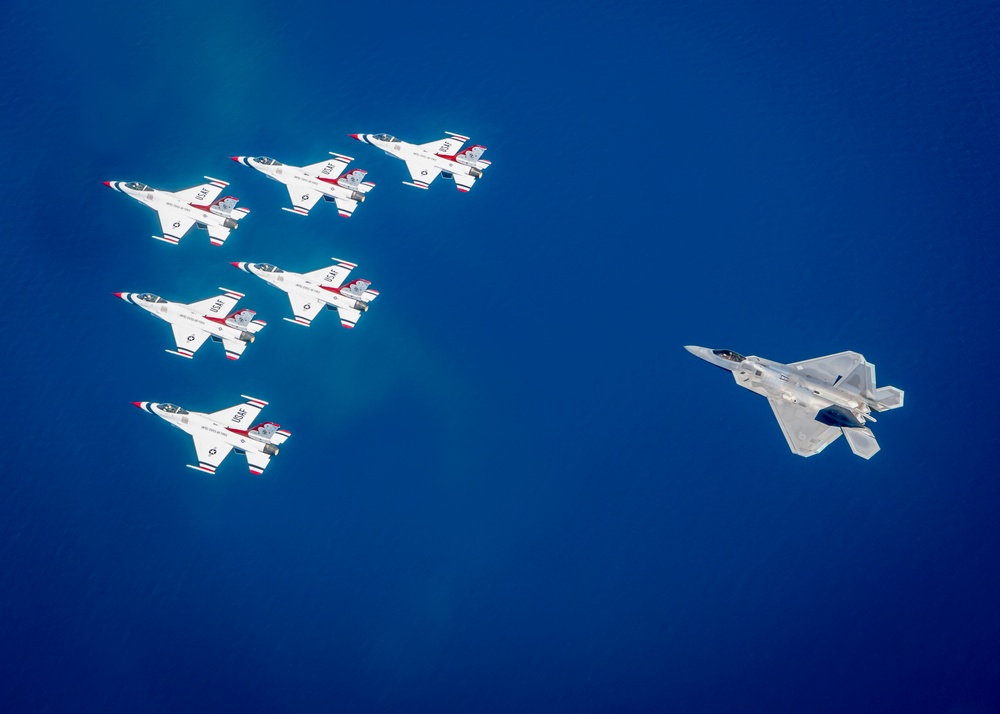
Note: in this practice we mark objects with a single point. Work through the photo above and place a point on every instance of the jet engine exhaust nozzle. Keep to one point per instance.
(475, 173)
(270, 449)
(246, 336)
(230, 223)
(357, 196)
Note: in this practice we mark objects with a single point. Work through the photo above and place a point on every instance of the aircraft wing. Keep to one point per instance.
(331, 168)
(831, 368)
(331, 277)
(805, 435)
(450, 145)
(203, 194)
(303, 196)
(219, 306)
(422, 171)
(210, 452)
(304, 307)
(188, 340)
(241, 416)
(174, 225)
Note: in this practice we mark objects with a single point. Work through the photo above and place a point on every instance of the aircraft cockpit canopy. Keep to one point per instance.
(266, 161)
(267, 268)
(172, 409)
(149, 297)
(385, 137)
(136, 186)
(729, 355)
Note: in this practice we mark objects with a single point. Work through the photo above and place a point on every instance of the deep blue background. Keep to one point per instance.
(509, 489)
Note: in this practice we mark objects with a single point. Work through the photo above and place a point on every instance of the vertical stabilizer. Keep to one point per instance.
(860, 380)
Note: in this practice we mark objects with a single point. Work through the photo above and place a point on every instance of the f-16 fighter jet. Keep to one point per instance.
(816, 400)
(307, 184)
(311, 292)
(427, 161)
(195, 322)
(191, 206)
(218, 433)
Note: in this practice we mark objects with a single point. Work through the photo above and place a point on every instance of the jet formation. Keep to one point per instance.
(218, 433)
(195, 206)
(444, 157)
(814, 401)
(195, 322)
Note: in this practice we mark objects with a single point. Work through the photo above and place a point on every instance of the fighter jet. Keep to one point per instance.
(307, 184)
(195, 322)
(191, 206)
(815, 400)
(427, 161)
(311, 292)
(218, 433)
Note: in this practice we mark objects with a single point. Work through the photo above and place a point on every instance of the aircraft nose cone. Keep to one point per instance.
(360, 137)
(120, 295)
(702, 353)
(237, 159)
(107, 183)
(239, 265)
(137, 404)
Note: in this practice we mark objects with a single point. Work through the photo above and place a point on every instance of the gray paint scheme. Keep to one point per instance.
(814, 401)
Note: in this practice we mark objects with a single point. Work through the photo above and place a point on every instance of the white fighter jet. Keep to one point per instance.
(311, 292)
(817, 400)
(307, 184)
(218, 433)
(191, 206)
(427, 161)
(195, 322)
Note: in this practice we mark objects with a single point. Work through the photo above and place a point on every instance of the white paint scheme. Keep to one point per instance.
(218, 433)
(307, 184)
(195, 322)
(427, 161)
(195, 206)
(311, 292)
(814, 401)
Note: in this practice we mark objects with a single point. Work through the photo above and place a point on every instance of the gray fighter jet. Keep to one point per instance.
(816, 400)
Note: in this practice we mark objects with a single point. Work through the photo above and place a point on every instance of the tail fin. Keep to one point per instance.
(224, 206)
(352, 179)
(241, 319)
(860, 380)
(861, 441)
(471, 155)
(263, 431)
(888, 398)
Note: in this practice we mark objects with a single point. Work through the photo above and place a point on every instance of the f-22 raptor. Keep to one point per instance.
(817, 400)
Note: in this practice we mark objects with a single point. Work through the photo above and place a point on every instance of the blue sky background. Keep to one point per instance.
(509, 488)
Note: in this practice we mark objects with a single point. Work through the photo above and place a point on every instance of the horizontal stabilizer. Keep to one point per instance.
(861, 441)
(257, 462)
(463, 182)
(888, 398)
(234, 348)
